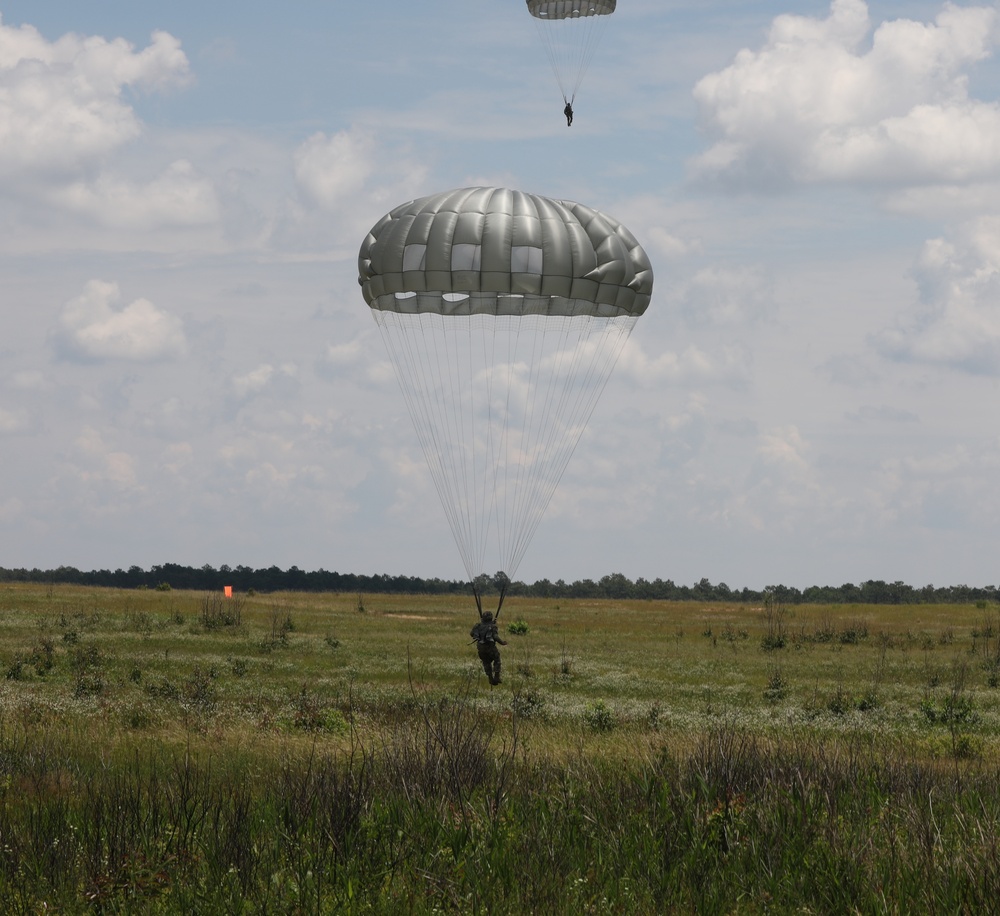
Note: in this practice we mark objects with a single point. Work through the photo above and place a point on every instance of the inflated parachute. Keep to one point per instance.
(570, 30)
(503, 314)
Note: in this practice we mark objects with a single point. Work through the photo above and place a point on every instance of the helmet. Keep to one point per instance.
(487, 617)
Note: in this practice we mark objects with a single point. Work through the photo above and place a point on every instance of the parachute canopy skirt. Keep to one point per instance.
(503, 314)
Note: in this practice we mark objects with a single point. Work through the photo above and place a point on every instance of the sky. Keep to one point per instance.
(189, 374)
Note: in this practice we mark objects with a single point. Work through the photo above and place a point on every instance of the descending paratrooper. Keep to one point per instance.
(503, 314)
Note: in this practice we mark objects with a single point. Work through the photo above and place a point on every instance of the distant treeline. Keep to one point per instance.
(614, 586)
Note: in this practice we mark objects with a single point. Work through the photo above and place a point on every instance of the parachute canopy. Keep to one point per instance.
(570, 9)
(503, 314)
(570, 31)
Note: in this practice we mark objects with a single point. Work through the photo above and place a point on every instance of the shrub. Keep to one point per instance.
(967, 747)
(655, 718)
(220, 611)
(853, 632)
(138, 717)
(313, 714)
(87, 657)
(777, 686)
(281, 626)
(199, 688)
(528, 704)
(839, 702)
(955, 709)
(774, 622)
(518, 627)
(43, 657)
(565, 672)
(825, 630)
(88, 685)
(731, 634)
(163, 687)
(600, 717)
(869, 700)
(993, 675)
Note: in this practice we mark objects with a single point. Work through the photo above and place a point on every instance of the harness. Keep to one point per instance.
(485, 633)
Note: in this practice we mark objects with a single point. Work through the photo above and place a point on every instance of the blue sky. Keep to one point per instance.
(188, 372)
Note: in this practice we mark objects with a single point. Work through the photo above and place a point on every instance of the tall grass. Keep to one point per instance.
(449, 816)
(159, 755)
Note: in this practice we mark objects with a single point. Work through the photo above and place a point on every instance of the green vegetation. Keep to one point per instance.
(172, 751)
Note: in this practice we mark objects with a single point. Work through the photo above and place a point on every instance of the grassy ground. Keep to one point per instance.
(166, 663)
(704, 752)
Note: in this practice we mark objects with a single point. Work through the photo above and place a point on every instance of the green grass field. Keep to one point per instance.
(168, 663)
(345, 753)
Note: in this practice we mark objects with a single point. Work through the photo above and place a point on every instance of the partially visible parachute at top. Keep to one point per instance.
(570, 30)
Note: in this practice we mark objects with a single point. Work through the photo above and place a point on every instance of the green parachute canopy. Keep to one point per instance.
(503, 314)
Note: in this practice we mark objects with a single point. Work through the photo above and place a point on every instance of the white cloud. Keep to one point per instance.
(11, 509)
(882, 415)
(65, 122)
(353, 176)
(693, 365)
(346, 354)
(177, 457)
(11, 422)
(330, 169)
(779, 490)
(816, 104)
(29, 380)
(784, 448)
(92, 328)
(668, 245)
(100, 463)
(179, 196)
(265, 378)
(726, 296)
(61, 106)
(957, 323)
(254, 381)
(352, 359)
(949, 489)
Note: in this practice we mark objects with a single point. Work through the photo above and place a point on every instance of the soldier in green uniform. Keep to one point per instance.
(487, 636)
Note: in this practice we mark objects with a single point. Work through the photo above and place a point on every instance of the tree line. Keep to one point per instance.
(612, 586)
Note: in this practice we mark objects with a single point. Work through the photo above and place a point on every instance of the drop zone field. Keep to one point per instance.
(166, 751)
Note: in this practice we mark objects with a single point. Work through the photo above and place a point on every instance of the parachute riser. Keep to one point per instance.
(503, 594)
(479, 600)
